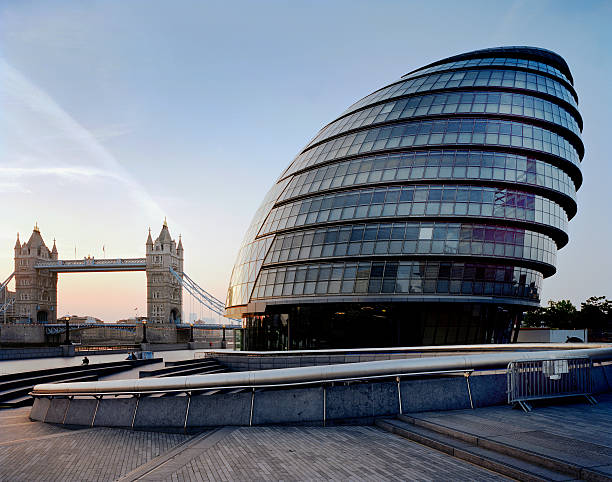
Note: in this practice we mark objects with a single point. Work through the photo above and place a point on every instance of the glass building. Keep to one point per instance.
(427, 213)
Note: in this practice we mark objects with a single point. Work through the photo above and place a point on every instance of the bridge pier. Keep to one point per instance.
(68, 350)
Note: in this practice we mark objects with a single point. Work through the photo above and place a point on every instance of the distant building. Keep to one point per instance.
(164, 292)
(35, 289)
(79, 320)
(427, 213)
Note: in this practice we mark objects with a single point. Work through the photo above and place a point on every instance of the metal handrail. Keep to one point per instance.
(313, 374)
(292, 384)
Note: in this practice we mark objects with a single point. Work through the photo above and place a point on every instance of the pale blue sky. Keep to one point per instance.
(116, 113)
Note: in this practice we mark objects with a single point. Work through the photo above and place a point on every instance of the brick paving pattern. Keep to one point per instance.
(316, 453)
(35, 451)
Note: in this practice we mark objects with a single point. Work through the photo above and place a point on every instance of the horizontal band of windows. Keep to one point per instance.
(411, 238)
(465, 132)
(568, 204)
(448, 103)
(507, 62)
(264, 209)
(543, 267)
(428, 166)
(257, 308)
(432, 200)
(568, 136)
(246, 268)
(504, 80)
(427, 277)
(560, 237)
(418, 153)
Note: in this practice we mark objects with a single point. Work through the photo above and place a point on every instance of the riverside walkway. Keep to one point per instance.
(574, 433)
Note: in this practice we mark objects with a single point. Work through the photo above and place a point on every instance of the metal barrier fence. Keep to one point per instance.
(542, 379)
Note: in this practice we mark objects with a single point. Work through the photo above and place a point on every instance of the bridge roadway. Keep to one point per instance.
(571, 433)
(92, 265)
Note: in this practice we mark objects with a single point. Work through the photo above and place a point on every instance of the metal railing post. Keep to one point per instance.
(187, 412)
(467, 380)
(399, 394)
(252, 403)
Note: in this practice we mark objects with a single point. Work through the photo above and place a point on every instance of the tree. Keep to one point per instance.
(596, 312)
(558, 314)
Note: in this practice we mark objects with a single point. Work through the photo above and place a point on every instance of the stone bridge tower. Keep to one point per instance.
(35, 289)
(164, 292)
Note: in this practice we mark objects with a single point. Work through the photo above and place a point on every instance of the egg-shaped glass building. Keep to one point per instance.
(427, 213)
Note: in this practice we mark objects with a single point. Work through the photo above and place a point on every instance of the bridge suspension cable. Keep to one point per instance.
(3, 288)
(203, 297)
(6, 282)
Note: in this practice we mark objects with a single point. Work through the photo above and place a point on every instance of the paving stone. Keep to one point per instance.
(307, 453)
(99, 454)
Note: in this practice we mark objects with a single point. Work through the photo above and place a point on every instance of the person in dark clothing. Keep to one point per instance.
(85, 361)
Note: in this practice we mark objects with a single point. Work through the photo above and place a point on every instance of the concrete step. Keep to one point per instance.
(196, 371)
(125, 364)
(185, 363)
(24, 401)
(30, 381)
(501, 463)
(170, 370)
(18, 397)
(547, 461)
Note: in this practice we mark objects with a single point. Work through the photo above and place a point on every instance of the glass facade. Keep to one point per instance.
(427, 213)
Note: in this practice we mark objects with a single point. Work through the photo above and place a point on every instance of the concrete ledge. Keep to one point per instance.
(39, 409)
(218, 410)
(162, 412)
(437, 394)
(363, 400)
(488, 390)
(115, 412)
(25, 353)
(287, 406)
(81, 411)
(57, 410)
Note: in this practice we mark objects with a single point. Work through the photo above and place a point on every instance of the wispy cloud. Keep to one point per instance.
(39, 138)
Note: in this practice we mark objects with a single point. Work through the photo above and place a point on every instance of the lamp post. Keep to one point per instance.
(223, 342)
(144, 331)
(67, 342)
(191, 340)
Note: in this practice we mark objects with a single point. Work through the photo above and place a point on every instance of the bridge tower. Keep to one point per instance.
(35, 289)
(164, 293)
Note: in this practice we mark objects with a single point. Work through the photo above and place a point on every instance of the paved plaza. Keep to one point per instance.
(575, 433)
(36, 451)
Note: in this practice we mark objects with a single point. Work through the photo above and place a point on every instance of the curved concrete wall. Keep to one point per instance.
(295, 405)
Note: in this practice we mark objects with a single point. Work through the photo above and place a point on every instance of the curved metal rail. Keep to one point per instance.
(310, 374)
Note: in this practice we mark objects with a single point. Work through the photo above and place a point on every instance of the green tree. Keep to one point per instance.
(558, 314)
(596, 312)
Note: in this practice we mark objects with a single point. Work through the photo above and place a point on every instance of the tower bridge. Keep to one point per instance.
(37, 268)
(92, 265)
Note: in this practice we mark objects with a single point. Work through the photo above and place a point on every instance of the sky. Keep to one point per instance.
(114, 114)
